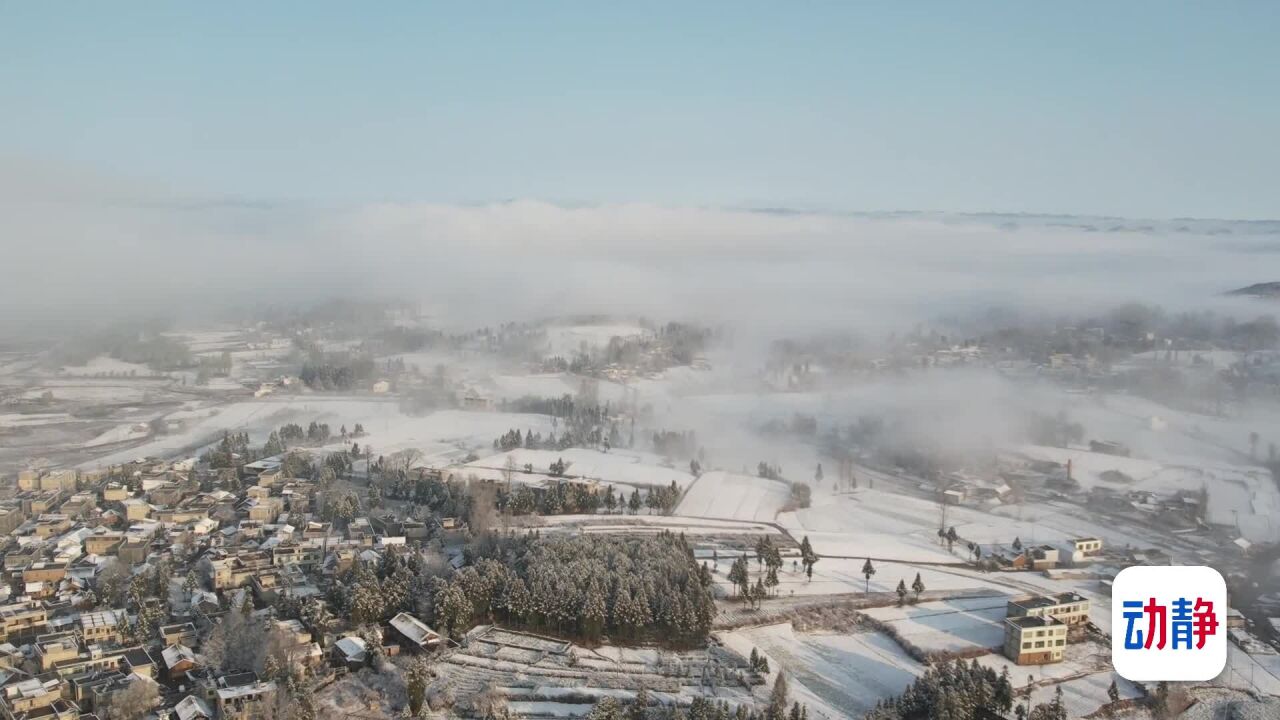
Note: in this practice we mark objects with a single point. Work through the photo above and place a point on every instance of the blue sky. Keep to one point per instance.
(1149, 109)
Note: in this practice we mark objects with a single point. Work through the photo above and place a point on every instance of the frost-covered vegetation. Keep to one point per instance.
(586, 587)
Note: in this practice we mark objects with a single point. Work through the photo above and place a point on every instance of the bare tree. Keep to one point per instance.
(133, 702)
(484, 506)
(404, 459)
(235, 643)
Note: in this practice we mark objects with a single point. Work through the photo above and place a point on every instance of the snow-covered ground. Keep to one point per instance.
(870, 524)
(624, 467)
(388, 429)
(568, 340)
(646, 524)
(719, 494)
(832, 576)
(103, 365)
(17, 420)
(119, 434)
(99, 391)
(836, 675)
(880, 524)
(961, 624)
(1085, 695)
(1246, 495)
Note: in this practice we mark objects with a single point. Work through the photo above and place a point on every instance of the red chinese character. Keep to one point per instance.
(1206, 622)
(1153, 610)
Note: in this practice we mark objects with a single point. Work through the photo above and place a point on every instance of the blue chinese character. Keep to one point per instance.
(1181, 623)
(1132, 635)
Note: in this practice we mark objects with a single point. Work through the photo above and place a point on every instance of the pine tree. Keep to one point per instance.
(778, 699)
(808, 556)
(638, 709)
(918, 587)
(902, 592)
(416, 679)
(758, 593)
(867, 571)
(738, 575)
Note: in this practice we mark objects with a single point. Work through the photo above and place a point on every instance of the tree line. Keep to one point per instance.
(583, 587)
(964, 691)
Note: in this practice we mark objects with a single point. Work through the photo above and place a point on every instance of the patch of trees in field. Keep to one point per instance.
(583, 587)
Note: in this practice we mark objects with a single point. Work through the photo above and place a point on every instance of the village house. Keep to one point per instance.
(115, 492)
(22, 619)
(178, 661)
(1084, 549)
(101, 626)
(351, 652)
(415, 633)
(1034, 639)
(1070, 608)
(241, 696)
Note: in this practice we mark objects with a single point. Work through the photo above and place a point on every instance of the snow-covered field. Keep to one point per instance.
(99, 391)
(554, 385)
(16, 420)
(832, 576)
(1084, 695)
(961, 624)
(388, 429)
(871, 523)
(568, 340)
(624, 467)
(836, 675)
(646, 524)
(719, 494)
(119, 434)
(1235, 492)
(198, 341)
(103, 365)
(880, 524)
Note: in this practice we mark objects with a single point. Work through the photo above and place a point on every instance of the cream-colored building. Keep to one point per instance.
(1071, 608)
(1034, 640)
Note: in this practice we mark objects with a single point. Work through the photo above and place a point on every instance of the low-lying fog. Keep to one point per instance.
(94, 249)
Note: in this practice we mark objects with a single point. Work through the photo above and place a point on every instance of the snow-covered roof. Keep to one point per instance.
(192, 708)
(240, 691)
(177, 653)
(414, 629)
(352, 648)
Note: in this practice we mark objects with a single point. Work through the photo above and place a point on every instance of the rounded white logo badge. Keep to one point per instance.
(1169, 623)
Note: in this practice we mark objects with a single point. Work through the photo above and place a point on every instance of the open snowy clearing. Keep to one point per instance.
(1248, 494)
(836, 675)
(207, 340)
(624, 467)
(719, 494)
(835, 576)
(961, 624)
(387, 428)
(99, 391)
(1085, 695)
(103, 365)
(646, 524)
(885, 525)
(17, 420)
(119, 434)
(568, 340)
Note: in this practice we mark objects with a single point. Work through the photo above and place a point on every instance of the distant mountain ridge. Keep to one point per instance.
(1267, 290)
